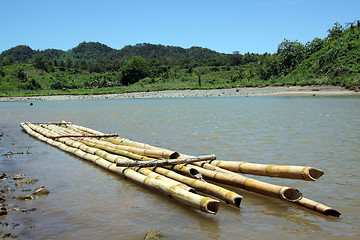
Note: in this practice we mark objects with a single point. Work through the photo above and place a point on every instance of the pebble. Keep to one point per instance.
(25, 197)
(4, 190)
(3, 210)
(18, 177)
(6, 235)
(41, 191)
(2, 176)
(29, 181)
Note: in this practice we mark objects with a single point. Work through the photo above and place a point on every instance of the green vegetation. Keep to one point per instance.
(94, 68)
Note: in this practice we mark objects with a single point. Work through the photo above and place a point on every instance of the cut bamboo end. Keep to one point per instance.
(290, 194)
(210, 205)
(318, 207)
(332, 212)
(312, 174)
(174, 155)
(195, 173)
(235, 199)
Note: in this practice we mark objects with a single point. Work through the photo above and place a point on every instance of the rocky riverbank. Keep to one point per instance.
(15, 192)
(233, 92)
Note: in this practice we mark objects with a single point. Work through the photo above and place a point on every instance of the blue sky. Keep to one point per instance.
(256, 26)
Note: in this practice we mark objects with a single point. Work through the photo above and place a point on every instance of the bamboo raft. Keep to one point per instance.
(176, 175)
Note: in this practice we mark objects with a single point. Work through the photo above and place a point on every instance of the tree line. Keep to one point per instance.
(133, 63)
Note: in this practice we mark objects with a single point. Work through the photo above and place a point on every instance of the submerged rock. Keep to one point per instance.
(5, 190)
(25, 197)
(29, 181)
(18, 177)
(3, 210)
(41, 191)
(152, 234)
(2, 176)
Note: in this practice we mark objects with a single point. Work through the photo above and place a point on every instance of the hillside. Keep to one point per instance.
(336, 63)
(93, 67)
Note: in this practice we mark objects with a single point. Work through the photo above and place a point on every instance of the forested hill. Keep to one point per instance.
(93, 67)
(96, 51)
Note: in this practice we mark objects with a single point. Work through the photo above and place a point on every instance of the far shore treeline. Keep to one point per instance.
(94, 68)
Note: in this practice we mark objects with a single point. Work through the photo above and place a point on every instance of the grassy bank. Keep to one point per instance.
(212, 80)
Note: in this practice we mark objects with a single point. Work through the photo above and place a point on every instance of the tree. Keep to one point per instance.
(39, 61)
(235, 59)
(8, 60)
(20, 74)
(134, 70)
(315, 45)
(268, 66)
(68, 63)
(2, 72)
(291, 54)
(335, 31)
(198, 74)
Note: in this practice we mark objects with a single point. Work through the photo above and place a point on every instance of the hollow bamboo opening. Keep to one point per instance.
(291, 194)
(237, 201)
(314, 173)
(332, 212)
(193, 172)
(174, 155)
(192, 190)
(212, 206)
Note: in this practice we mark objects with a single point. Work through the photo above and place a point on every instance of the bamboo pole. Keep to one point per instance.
(214, 190)
(234, 179)
(150, 152)
(318, 207)
(294, 172)
(117, 140)
(205, 204)
(282, 171)
(150, 173)
(50, 130)
(140, 151)
(228, 196)
(162, 162)
(88, 136)
(98, 144)
(272, 190)
(282, 192)
(215, 169)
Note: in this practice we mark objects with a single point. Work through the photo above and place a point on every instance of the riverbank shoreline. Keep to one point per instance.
(232, 92)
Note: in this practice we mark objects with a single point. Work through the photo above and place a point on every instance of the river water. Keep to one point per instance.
(86, 202)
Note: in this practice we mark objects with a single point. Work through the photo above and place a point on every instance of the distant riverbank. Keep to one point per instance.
(233, 92)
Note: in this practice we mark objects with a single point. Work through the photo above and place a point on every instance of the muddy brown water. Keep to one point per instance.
(86, 202)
